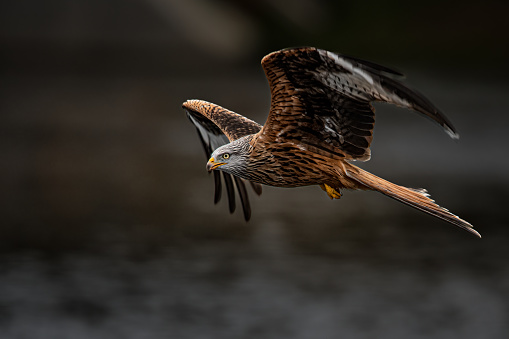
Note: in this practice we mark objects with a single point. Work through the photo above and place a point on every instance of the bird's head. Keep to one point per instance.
(230, 158)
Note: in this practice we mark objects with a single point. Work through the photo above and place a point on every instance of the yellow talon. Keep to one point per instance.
(331, 192)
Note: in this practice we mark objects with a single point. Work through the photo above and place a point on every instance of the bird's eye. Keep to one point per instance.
(226, 155)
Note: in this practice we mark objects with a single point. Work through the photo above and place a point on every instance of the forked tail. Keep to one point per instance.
(417, 198)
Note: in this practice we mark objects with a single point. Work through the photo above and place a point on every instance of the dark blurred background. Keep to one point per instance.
(108, 228)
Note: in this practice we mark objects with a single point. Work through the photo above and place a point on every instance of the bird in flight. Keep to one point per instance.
(320, 121)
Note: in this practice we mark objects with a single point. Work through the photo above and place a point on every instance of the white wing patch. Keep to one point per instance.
(348, 65)
(359, 84)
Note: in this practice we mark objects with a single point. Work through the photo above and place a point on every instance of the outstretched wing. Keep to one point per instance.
(217, 126)
(321, 101)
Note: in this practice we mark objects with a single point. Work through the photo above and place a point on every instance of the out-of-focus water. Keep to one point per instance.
(389, 284)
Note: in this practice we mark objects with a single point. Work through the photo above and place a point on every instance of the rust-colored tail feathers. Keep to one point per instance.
(417, 198)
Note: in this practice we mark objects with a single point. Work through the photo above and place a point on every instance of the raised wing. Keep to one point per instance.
(321, 101)
(216, 126)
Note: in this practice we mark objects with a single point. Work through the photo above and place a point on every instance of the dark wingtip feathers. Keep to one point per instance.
(229, 191)
(256, 187)
(419, 103)
(244, 200)
(217, 187)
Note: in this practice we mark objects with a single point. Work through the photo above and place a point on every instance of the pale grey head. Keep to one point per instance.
(231, 158)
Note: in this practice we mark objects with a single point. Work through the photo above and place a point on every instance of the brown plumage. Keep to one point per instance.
(320, 119)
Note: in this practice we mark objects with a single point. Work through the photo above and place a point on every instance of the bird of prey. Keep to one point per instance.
(320, 121)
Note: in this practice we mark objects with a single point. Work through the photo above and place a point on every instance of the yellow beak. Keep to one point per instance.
(212, 164)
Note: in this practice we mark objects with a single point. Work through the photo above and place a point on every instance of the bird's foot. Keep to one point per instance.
(331, 192)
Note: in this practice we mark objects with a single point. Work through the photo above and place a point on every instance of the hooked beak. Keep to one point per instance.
(212, 164)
